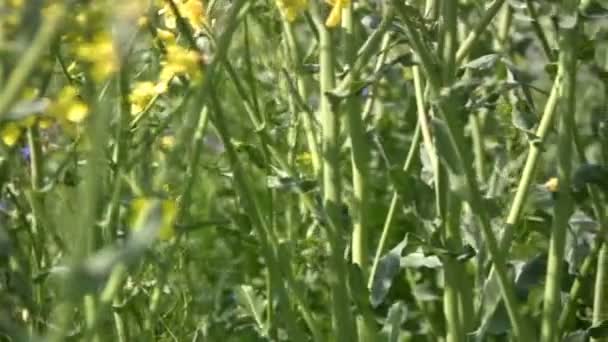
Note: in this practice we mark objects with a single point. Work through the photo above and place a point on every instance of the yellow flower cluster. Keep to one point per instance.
(191, 10)
(291, 8)
(100, 54)
(69, 106)
(143, 208)
(335, 16)
(68, 109)
(11, 131)
(143, 93)
(180, 61)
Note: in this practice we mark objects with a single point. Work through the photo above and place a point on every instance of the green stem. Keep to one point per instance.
(424, 130)
(529, 169)
(359, 154)
(600, 305)
(120, 156)
(449, 207)
(194, 158)
(482, 25)
(456, 138)
(540, 33)
(37, 233)
(504, 26)
(268, 242)
(567, 314)
(478, 149)
(388, 221)
(308, 120)
(384, 50)
(564, 206)
(332, 190)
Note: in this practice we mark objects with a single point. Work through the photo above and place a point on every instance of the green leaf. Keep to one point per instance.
(532, 273)
(445, 149)
(252, 305)
(419, 260)
(25, 109)
(291, 184)
(576, 336)
(598, 330)
(594, 10)
(483, 63)
(388, 267)
(568, 19)
(397, 314)
(590, 174)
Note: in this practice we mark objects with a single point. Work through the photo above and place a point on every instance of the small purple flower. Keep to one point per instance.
(365, 92)
(26, 153)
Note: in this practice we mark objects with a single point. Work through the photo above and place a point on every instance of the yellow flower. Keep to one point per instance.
(335, 16)
(552, 185)
(10, 133)
(143, 210)
(291, 8)
(167, 142)
(191, 10)
(194, 12)
(166, 36)
(143, 93)
(68, 106)
(101, 55)
(180, 61)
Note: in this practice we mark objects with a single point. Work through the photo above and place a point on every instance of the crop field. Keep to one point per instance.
(304, 170)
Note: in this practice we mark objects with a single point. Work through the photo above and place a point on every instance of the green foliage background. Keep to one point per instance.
(424, 171)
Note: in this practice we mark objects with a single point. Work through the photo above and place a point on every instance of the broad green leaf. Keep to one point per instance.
(388, 267)
(531, 274)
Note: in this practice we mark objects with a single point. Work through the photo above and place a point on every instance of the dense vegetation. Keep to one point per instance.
(304, 170)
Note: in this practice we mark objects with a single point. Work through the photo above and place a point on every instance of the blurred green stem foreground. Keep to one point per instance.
(330, 226)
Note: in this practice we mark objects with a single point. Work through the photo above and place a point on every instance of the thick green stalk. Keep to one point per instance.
(359, 161)
(449, 207)
(332, 190)
(529, 170)
(359, 152)
(456, 137)
(600, 304)
(564, 206)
